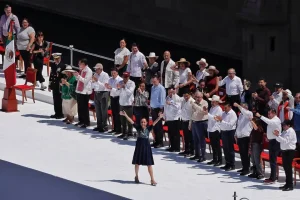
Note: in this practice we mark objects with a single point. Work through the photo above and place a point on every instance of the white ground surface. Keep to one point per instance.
(30, 139)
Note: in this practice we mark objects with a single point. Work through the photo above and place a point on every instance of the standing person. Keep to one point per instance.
(287, 140)
(234, 88)
(99, 80)
(201, 73)
(39, 49)
(243, 131)
(186, 114)
(5, 22)
(261, 97)
(121, 57)
(228, 125)
(25, 40)
(83, 90)
(296, 112)
(157, 103)
(54, 80)
(172, 116)
(114, 100)
(137, 62)
(276, 97)
(213, 128)
(168, 76)
(198, 125)
(150, 70)
(246, 96)
(212, 82)
(287, 102)
(126, 89)
(142, 153)
(141, 103)
(68, 94)
(256, 147)
(273, 123)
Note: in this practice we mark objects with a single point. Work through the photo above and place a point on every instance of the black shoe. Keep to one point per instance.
(288, 189)
(183, 153)
(53, 116)
(170, 149)
(244, 173)
(65, 120)
(253, 175)
(189, 155)
(211, 162)
(59, 117)
(225, 167)
(96, 129)
(260, 177)
(112, 131)
(117, 133)
(230, 169)
(201, 160)
(240, 170)
(121, 136)
(125, 137)
(101, 130)
(158, 146)
(217, 164)
(22, 76)
(83, 126)
(194, 158)
(78, 124)
(176, 150)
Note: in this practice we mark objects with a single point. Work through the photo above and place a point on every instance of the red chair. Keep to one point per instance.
(296, 166)
(30, 78)
(92, 108)
(47, 59)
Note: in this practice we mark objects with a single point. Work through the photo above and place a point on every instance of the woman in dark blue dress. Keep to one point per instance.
(143, 153)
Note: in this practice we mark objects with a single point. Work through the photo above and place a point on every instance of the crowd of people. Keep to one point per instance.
(148, 95)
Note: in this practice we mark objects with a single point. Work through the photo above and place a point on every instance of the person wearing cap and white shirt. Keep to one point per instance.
(273, 123)
(234, 87)
(126, 89)
(287, 140)
(201, 73)
(150, 70)
(121, 57)
(68, 95)
(213, 129)
(99, 80)
(228, 125)
(137, 62)
(276, 97)
(54, 80)
(168, 77)
(114, 100)
(83, 90)
(242, 133)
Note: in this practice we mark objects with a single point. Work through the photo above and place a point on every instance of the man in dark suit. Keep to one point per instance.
(54, 85)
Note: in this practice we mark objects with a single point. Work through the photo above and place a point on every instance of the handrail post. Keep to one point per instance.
(71, 54)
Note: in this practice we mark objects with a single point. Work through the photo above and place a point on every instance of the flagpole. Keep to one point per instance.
(9, 100)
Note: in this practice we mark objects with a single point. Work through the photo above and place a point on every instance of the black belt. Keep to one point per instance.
(200, 121)
(185, 120)
(288, 150)
(100, 91)
(233, 95)
(114, 97)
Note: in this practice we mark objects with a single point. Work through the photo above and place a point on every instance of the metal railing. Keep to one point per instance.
(72, 49)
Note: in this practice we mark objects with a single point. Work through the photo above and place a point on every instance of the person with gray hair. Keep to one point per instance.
(242, 135)
(99, 79)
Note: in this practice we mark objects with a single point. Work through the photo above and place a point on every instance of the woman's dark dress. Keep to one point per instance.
(142, 153)
(38, 61)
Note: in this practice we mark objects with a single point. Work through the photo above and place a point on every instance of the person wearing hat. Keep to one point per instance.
(201, 73)
(261, 97)
(287, 102)
(68, 95)
(211, 82)
(126, 89)
(276, 97)
(213, 129)
(287, 140)
(185, 76)
(150, 70)
(54, 80)
(168, 76)
(99, 80)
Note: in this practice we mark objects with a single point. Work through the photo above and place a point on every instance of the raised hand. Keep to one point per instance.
(122, 113)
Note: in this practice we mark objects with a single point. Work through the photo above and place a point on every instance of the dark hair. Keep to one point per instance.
(227, 104)
(262, 79)
(201, 80)
(84, 61)
(144, 119)
(272, 110)
(171, 87)
(7, 6)
(143, 82)
(39, 33)
(123, 39)
(114, 69)
(288, 122)
(155, 76)
(26, 19)
(257, 121)
(134, 45)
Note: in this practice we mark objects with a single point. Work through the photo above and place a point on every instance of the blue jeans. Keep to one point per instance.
(274, 148)
(228, 147)
(199, 129)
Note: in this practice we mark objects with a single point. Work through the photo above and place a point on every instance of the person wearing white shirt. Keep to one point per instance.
(287, 140)
(201, 73)
(137, 61)
(276, 97)
(83, 90)
(114, 100)
(186, 114)
(228, 125)
(234, 88)
(198, 124)
(172, 115)
(213, 129)
(168, 77)
(242, 133)
(121, 57)
(273, 123)
(99, 80)
(126, 89)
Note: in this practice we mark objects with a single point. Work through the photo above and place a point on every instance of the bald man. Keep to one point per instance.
(168, 77)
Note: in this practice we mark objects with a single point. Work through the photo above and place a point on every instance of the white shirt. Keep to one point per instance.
(172, 111)
(212, 124)
(126, 94)
(233, 86)
(113, 83)
(136, 64)
(120, 53)
(228, 122)
(87, 88)
(275, 102)
(186, 109)
(273, 124)
(183, 75)
(100, 84)
(244, 126)
(287, 139)
(201, 75)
